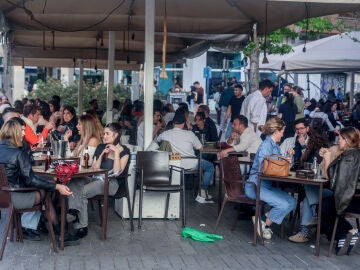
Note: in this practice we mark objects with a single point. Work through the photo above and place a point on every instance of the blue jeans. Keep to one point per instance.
(208, 170)
(311, 197)
(30, 220)
(281, 202)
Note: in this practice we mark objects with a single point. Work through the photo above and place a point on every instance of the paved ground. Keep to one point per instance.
(159, 245)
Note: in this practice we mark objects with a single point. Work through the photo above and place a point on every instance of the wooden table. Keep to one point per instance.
(292, 179)
(39, 170)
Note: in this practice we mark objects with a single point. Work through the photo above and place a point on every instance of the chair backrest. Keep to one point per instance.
(5, 199)
(155, 165)
(230, 168)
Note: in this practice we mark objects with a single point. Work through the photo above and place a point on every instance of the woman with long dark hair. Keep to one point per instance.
(112, 156)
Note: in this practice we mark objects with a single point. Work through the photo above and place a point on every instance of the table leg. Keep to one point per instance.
(220, 199)
(317, 245)
(200, 173)
(257, 210)
(105, 207)
(62, 221)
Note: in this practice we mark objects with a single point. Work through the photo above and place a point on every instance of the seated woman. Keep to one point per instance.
(20, 174)
(90, 139)
(112, 156)
(344, 173)
(69, 123)
(281, 202)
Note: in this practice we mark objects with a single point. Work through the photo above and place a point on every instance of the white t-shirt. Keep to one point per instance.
(183, 142)
(255, 110)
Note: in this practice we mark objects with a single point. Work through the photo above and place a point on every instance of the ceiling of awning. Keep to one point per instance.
(68, 29)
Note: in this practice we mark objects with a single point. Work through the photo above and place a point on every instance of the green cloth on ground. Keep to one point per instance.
(200, 235)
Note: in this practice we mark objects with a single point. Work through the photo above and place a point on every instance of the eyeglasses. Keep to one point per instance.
(300, 128)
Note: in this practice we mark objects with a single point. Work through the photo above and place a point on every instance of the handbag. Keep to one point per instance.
(275, 165)
(65, 170)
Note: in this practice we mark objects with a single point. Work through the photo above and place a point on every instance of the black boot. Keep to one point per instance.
(82, 232)
(69, 240)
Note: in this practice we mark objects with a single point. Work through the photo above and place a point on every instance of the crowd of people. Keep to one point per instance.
(301, 131)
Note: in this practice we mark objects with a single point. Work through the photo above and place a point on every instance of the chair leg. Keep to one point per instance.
(19, 235)
(6, 232)
(12, 227)
(130, 211)
(357, 224)
(167, 206)
(140, 206)
(133, 205)
(183, 212)
(100, 211)
(51, 228)
(333, 236)
(220, 214)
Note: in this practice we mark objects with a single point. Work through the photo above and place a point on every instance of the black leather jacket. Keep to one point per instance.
(344, 173)
(18, 168)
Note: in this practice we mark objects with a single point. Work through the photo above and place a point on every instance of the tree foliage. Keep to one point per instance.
(69, 94)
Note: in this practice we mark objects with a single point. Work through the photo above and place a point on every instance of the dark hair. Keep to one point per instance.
(56, 98)
(266, 83)
(30, 109)
(184, 105)
(201, 115)
(9, 109)
(56, 104)
(115, 127)
(19, 106)
(116, 104)
(45, 110)
(238, 86)
(302, 121)
(289, 98)
(127, 111)
(204, 108)
(196, 82)
(242, 119)
(70, 109)
(298, 90)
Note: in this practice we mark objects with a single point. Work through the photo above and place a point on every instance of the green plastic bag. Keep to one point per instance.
(200, 235)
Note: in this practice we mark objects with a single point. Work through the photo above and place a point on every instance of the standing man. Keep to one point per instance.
(254, 107)
(199, 95)
(234, 107)
(225, 98)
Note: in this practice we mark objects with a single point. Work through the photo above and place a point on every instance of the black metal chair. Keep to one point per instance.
(154, 174)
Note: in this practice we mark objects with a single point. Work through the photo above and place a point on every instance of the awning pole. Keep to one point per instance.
(149, 70)
(110, 79)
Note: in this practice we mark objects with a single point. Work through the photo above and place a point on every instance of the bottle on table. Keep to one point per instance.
(47, 160)
(314, 167)
(86, 158)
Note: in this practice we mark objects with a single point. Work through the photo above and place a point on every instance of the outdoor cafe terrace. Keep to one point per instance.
(159, 245)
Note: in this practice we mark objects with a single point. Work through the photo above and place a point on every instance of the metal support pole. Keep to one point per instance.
(110, 79)
(149, 70)
(80, 87)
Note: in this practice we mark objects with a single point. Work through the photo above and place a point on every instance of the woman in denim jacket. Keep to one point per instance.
(281, 202)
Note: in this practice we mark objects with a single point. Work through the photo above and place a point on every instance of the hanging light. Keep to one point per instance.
(163, 73)
(307, 27)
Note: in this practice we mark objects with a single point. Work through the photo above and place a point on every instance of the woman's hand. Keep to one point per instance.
(322, 151)
(67, 134)
(64, 190)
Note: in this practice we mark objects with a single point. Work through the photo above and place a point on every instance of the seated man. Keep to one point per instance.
(203, 131)
(208, 121)
(241, 139)
(306, 144)
(184, 142)
(157, 125)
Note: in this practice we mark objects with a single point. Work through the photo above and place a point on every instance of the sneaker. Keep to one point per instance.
(354, 242)
(82, 232)
(204, 193)
(28, 234)
(200, 199)
(298, 238)
(266, 231)
(312, 222)
(342, 246)
(70, 240)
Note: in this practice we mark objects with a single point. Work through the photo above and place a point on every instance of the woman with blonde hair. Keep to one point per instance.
(19, 172)
(281, 202)
(89, 140)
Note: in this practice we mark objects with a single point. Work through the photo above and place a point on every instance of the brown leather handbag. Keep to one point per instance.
(275, 165)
